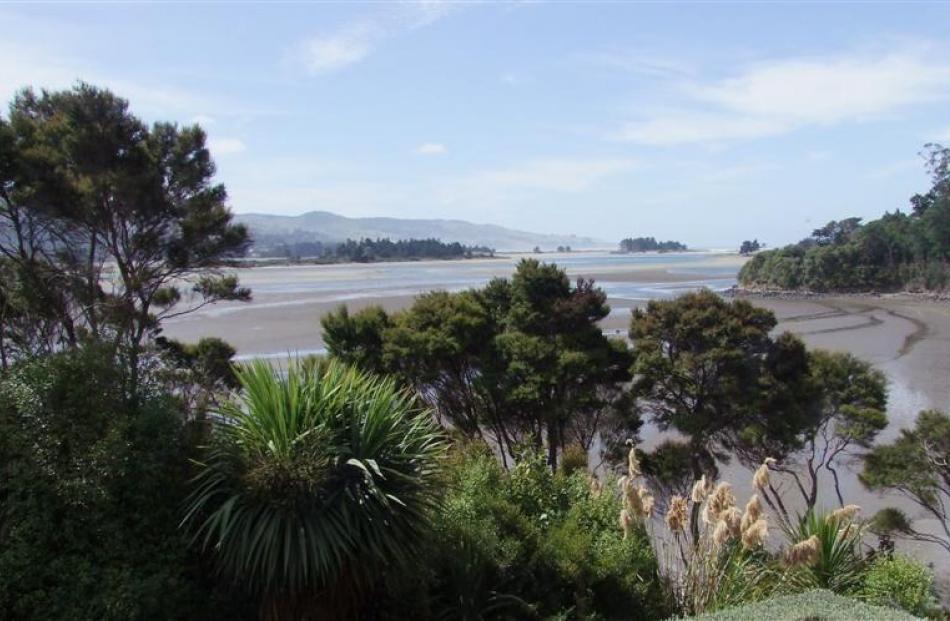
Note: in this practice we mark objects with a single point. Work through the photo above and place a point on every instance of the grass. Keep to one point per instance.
(815, 605)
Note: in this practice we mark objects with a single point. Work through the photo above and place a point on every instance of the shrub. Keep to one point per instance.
(538, 545)
(91, 483)
(816, 605)
(899, 582)
(319, 485)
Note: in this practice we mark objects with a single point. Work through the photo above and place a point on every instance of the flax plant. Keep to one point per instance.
(317, 483)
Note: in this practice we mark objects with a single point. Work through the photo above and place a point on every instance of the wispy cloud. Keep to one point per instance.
(431, 148)
(557, 175)
(24, 65)
(775, 98)
(943, 136)
(226, 146)
(355, 41)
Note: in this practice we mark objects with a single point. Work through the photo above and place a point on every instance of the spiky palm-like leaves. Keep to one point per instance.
(837, 564)
(317, 480)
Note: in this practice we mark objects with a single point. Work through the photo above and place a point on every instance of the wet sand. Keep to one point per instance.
(907, 338)
(284, 316)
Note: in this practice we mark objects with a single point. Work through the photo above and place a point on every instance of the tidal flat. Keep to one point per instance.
(905, 337)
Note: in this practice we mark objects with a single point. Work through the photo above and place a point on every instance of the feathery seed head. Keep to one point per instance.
(845, 513)
(753, 511)
(676, 515)
(804, 553)
(755, 535)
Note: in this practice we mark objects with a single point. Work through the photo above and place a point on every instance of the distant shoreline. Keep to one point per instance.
(281, 262)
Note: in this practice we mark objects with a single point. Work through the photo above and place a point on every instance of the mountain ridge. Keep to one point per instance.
(325, 226)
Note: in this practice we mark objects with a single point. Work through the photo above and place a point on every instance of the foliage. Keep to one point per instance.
(546, 545)
(814, 604)
(102, 221)
(749, 247)
(917, 465)
(90, 488)
(316, 484)
(839, 565)
(649, 244)
(198, 373)
(845, 413)
(369, 250)
(897, 251)
(710, 370)
(519, 361)
(899, 582)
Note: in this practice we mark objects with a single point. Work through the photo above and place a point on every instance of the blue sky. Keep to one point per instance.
(705, 122)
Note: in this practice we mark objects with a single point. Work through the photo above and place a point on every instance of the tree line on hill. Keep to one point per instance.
(649, 244)
(143, 478)
(899, 251)
(368, 250)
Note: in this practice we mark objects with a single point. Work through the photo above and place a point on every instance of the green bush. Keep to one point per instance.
(91, 483)
(814, 605)
(535, 544)
(899, 582)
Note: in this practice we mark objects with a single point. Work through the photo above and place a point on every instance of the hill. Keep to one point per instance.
(899, 251)
(323, 226)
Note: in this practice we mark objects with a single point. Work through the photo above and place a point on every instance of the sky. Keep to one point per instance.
(707, 123)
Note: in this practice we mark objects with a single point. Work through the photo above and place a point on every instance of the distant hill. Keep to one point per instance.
(323, 226)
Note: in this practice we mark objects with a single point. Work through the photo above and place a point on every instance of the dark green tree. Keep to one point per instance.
(897, 251)
(91, 485)
(917, 466)
(107, 225)
(520, 360)
(698, 364)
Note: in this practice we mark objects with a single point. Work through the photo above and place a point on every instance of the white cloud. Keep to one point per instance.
(355, 41)
(226, 146)
(23, 64)
(943, 136)
(832, 90)
(559, 175)
(778, 97)
(684, 127)
(431, 148)
(348, 46)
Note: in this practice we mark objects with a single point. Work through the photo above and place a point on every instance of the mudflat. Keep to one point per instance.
(906, 337)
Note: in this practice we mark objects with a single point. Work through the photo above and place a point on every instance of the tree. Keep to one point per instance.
(520, 360)
(199, 374)
(647, 244)
(916, 465)
(897, 251)
(105, 222)
(317, 485)
(91, 485)
(697, 363)
(749, 247)
(829, 412)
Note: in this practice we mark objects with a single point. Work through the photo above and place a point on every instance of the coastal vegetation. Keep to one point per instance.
(649, 244)
(899, 251)
(370, 250)
(519, 361)
(475, 456)
(749, 247)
